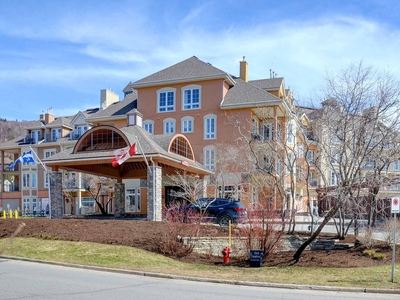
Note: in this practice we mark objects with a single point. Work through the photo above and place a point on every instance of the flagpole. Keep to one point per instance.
(152, 174)
(48, 178)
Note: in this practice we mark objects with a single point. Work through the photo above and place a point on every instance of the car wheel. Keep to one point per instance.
(224, 220)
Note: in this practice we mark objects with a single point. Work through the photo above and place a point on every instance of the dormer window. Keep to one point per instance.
(55, 134)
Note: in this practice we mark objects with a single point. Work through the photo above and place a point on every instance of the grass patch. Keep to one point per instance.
(130, 258)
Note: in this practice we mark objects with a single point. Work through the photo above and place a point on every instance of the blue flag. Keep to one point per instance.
(27, 157)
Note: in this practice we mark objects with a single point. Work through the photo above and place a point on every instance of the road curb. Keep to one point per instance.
(211, 280)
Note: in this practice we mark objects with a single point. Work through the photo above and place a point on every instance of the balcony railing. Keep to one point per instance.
(52, 138)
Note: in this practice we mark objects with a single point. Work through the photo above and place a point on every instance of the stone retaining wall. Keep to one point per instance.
(213, 245)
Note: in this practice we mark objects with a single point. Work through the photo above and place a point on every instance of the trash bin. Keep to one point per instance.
(256, 258)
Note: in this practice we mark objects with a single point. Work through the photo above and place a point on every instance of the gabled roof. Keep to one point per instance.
(246, 94)
(60, 122)
(268, 84)
(34, 125)
(120, 108)
(191, 69)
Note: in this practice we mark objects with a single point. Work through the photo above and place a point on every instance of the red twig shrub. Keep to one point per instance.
(178, 224)
(264, 231)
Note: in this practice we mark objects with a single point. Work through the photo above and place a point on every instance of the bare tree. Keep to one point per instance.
(101, 189)
(356, 122)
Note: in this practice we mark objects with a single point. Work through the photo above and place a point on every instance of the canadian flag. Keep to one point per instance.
(127, 154)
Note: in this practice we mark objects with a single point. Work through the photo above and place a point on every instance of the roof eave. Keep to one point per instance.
(225, 76)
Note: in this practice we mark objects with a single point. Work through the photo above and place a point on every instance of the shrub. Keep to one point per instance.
(387, 229)
(379, 256)
(264, 231)
(368, 252)
(179, 224)
(365, 237)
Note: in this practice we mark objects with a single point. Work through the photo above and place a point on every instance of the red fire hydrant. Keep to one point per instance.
(225, 253)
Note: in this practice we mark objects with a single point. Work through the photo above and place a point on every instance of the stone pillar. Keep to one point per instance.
(154, 194)
(119, 193)
(56, 196)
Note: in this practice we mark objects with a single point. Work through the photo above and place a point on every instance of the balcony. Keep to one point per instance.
(52, 138)
(74, 135)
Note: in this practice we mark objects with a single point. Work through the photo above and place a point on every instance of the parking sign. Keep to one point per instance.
(395, 205)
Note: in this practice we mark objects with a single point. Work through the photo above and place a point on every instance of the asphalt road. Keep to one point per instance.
(27, 280)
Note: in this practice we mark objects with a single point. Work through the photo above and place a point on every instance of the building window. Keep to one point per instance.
(209, 157)
(79, 131)
(148, 125)
(25, 205)
(166, 100)
(191, 96)
(311, 157)
(34, 180)
(46, 180)
(34, 204)
(267, 131)
(35, 135)
(88, 204)
(55, 134)
(49, 152)
(132, 201)
(210, 124)
(332, 178)
(169, 125)
(290, 133)
(255, 126)
(25, 180)
(396, 165)
(187, 124)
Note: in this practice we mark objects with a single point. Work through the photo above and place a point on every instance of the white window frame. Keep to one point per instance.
(35, 135)
(167, 107)
(34, 180)
(49, 152)
(187, 104)
(169, 125)
(210, 133)
(46, 180)
(89, 202)
(209, 157)
(291, 137)
(396, 165)
(333, 181)
(267, 131)
(148, 125)
(26, 204)
(184, 126)
(26, 180)
(55, 134)
(80, 130)
(255, 125)
(311, 157)
(132, 195)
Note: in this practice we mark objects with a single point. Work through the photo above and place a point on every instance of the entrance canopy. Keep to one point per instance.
(95, 150)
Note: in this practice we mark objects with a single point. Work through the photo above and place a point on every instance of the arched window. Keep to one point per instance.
(101, 139)
(169, 125)
(180, 145)
(187, 124)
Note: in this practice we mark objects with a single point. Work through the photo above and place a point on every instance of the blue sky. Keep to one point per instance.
(60, 54)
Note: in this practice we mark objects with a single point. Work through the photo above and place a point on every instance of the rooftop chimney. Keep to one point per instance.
(244, 70)
(107, 97)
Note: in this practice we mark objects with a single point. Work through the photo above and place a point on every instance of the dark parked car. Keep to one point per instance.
(220, 210)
